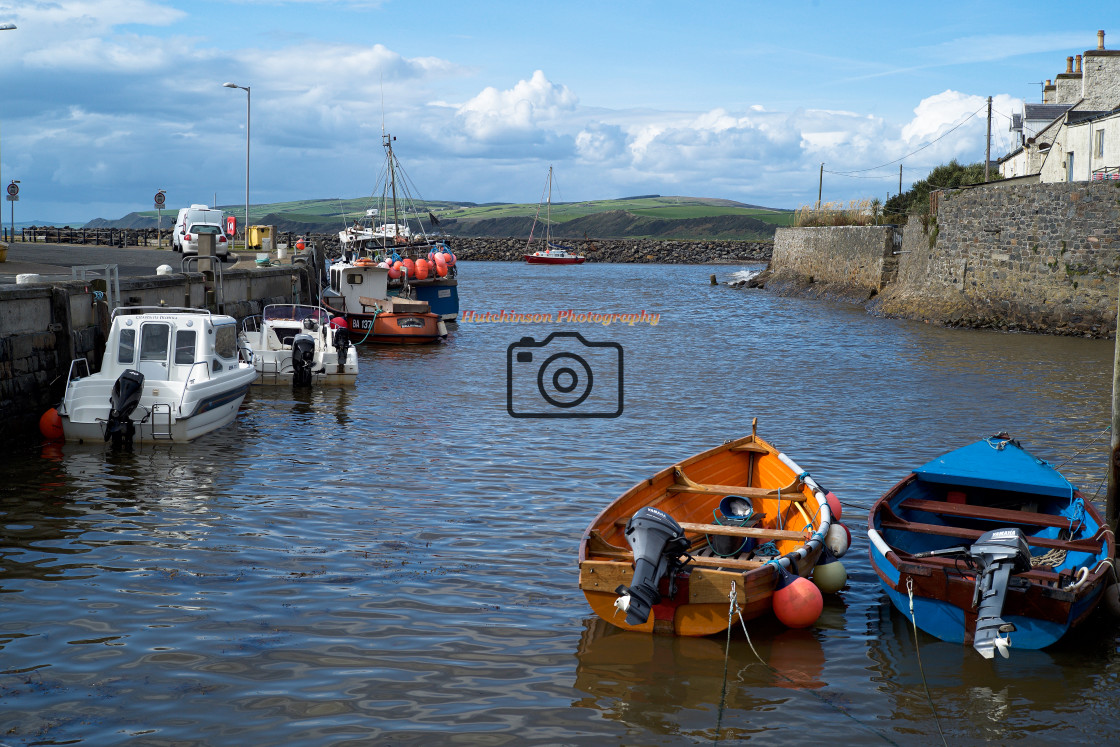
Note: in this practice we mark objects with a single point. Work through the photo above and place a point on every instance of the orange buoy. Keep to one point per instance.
(833, 505)
(441, 269)
(410, 265)
(300, 246)
(797, 601)
(395, 270)
(50, 425)
(421, 269)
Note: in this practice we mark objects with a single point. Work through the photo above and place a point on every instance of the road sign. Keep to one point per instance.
(231, 225)
(13, 189)
(160, 199)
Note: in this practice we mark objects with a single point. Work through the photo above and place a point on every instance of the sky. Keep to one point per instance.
(104, 102)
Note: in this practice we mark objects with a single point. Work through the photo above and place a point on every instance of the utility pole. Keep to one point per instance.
(900, 178)
(988, 149)
(820, 187)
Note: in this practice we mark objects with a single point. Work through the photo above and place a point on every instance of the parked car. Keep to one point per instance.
(200, 219)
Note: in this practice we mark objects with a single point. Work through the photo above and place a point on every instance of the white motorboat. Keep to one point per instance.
(168, 374)
(297, 344)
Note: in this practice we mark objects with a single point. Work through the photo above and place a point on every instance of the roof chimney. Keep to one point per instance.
(1078, 64)
(1069, 65)
(1100, 39)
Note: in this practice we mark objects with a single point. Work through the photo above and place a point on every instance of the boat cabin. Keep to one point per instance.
(350, 283)
(166, 344)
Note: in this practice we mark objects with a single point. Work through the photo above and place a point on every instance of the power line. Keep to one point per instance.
(919, 150)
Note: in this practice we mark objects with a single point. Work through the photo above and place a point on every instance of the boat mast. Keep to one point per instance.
(548, 214)
(387, 141)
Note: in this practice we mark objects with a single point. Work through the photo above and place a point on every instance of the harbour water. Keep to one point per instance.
(396, 563)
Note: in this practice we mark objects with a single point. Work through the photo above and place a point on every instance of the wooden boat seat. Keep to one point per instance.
(682, 484)
(1002, 515)
(753, 448)
(725, 531)
(1034, 574)
(893, 522)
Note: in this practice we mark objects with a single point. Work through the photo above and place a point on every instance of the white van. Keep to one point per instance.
(200, 219)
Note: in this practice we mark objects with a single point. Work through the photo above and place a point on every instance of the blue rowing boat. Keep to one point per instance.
(991, 546)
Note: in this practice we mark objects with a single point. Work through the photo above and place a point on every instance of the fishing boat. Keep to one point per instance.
(358, 293)
(551, 254)
(298, 344)
(168, 374)
(669, 554)
(992, 546)
(403, 236)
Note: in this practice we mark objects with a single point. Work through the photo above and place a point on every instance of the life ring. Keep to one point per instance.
(363, 262)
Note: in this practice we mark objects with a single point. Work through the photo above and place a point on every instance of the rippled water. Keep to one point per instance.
(397, 562)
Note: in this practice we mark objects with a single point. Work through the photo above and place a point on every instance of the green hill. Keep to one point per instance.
(647, 216)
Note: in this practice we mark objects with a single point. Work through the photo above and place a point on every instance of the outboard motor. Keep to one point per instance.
(657, 542)
(341, 345)
(123, 401)
(303, 358)
(999, 553)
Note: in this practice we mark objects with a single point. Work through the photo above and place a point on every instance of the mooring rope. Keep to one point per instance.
(734, 609)
(914, 622)
(1079, 453)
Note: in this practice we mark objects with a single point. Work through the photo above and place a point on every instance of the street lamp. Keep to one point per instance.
(248, 99)
(13, 195)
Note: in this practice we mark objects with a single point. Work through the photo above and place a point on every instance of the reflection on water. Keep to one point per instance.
(396, 561)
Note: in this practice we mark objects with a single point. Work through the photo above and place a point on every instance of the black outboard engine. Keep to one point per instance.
(657, 542)
(303, 358)
(123, 401)
(341, 345)
(999, 553)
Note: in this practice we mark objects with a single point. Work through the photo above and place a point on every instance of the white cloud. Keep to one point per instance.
(494, 114)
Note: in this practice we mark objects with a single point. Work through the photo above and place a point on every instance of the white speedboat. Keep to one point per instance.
(298, 345)
(168, 374)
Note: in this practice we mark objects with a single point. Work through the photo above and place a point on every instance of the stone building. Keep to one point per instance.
(1074, 134)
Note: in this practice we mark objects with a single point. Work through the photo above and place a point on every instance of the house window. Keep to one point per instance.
(1069, 166)
(1099, 149)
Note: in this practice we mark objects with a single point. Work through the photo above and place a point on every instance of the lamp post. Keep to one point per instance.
(6, 27)
(13, 195)
(248, 99)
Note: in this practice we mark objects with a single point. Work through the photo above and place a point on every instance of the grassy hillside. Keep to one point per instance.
(649, 216)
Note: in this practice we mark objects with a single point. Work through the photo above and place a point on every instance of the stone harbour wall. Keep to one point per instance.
(850, 263)
(1037, 258)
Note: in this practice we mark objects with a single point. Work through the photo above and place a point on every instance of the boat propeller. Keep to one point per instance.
(657, 542)
(123, 401)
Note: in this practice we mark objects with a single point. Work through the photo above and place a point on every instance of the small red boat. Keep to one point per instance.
(554, 257)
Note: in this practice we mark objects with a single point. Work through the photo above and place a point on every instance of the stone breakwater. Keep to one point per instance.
(653, 251)
(1030, 258)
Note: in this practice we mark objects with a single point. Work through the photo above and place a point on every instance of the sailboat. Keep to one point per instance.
(551, 254)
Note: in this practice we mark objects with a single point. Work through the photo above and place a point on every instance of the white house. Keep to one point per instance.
(1074, 134)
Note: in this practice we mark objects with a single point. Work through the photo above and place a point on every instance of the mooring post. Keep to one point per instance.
(1112, 504)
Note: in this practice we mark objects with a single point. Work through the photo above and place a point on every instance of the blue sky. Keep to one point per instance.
(102, 102)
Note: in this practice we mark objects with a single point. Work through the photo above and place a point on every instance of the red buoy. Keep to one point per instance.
(833, 505)
(50, 425)
(797, 601)
(421, 269)
(339, 322)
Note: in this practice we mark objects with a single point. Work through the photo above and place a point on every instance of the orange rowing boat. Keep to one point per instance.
(666, 556)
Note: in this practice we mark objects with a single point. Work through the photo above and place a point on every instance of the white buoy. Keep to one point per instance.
(164, 270)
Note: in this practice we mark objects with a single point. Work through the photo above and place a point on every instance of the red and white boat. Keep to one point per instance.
(555, 256)
(552, 254)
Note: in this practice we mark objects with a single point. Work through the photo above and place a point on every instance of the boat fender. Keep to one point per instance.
(50, 425)
(833, 505)
(829, 573)
(797, 601)
(838, 539)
